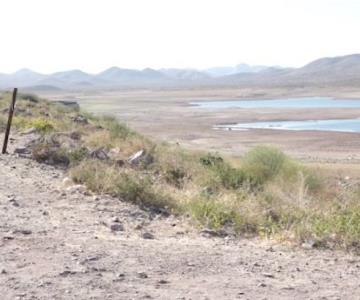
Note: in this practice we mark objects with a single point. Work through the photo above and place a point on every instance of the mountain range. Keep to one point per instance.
(342, 70)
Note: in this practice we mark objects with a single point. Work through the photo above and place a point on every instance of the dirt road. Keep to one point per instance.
(58, 243)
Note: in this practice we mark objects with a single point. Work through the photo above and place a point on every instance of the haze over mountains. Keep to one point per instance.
(344, 70)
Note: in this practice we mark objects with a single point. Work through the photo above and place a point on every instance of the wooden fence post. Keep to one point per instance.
(11, 113)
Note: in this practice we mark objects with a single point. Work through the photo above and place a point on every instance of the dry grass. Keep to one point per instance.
(265, 193)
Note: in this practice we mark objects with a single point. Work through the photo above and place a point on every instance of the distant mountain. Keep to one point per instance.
(185, 74)
(335, 71)
(20, 78)
(130, 77)
(238, 69)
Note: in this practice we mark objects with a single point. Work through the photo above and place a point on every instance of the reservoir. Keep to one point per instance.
(308, 102)
(349, 125)
(340, 125)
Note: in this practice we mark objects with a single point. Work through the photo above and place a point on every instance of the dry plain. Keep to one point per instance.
(166, 115)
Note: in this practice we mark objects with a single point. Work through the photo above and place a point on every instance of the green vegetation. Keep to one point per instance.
(265, 193)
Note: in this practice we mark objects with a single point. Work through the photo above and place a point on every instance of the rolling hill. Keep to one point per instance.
(338, 71)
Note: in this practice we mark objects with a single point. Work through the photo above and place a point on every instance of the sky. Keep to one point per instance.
(92, 35)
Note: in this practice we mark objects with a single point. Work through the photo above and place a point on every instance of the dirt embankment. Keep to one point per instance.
(61, 242)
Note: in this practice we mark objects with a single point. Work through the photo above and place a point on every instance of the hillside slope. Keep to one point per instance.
(56, 242)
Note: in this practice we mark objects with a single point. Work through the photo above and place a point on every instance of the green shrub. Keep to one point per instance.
(211, 160)
(127, 185)
(48, 154)
(77, 155)
(232, 178)
(42, 125)
(213, 214)
(29, 97)
(263, 163)
(117, 130)
(175, 176)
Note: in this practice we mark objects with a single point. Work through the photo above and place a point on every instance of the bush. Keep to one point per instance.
(211, 160)
(77, 155)
(117, 130)
(175, 176)
(228, 176)
(232, 178)
(213, 214)
(42, 125)
(29, 97)
(48, 154)
(263, 163)
(127, 185)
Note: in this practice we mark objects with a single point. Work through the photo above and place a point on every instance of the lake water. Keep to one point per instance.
(350, 125)
(308, 102)
(342, 125)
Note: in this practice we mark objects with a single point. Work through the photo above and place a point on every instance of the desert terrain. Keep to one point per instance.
(59, 242)
(166, 115)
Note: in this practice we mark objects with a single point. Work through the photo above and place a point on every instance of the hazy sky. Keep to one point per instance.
(53, 35)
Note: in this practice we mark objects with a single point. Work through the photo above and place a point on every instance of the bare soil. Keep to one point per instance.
(57, 243)
(167, 116)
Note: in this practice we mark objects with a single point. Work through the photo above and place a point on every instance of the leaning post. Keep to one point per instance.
(8, 126)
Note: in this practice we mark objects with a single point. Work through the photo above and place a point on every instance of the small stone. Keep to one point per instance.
(115, 220)
(308, 245)
(136, 157)
(142, 275)
(23, 231)
(148, 236)
(75, 135)
(29, 131)
(268, 275)
(67, 182)
(99, 154)
(14, 202)
(163, 281)
(3, 271)
(80, 119)
(117, 227)
(22, 150)
(79, 188)
(261, 284)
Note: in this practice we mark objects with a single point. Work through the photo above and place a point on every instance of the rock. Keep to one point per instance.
(117, 227)
(3, 271)
(67, 181)
(22, 150)
(29, 131)
(136, 157)
(99, 154)
(310, 244)
(71, 104)
(67, 273)
(268, 275)
(115, 220)
(75, 135)
(80, 119)
(142, 275)
(148, 236)
(163, 281)
(114, 153)
(14, 202)
(78, 188)
(120, 162)
(213, 233)
(23, 231)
